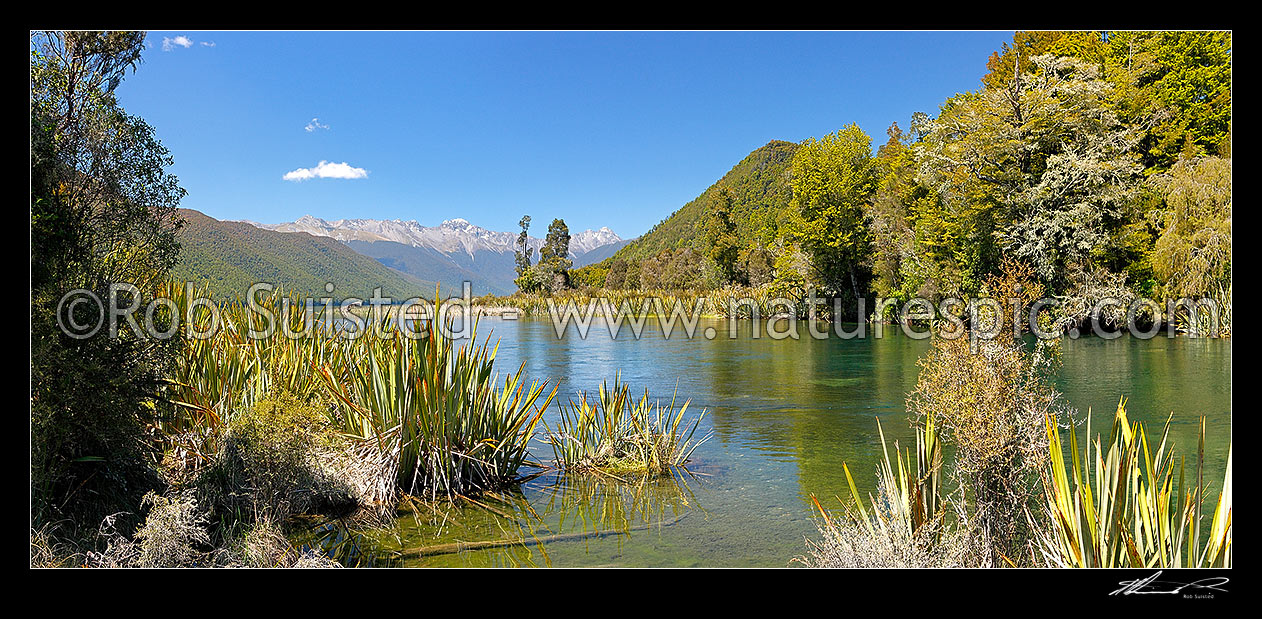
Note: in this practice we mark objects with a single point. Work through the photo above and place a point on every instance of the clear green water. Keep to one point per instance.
(785, 415)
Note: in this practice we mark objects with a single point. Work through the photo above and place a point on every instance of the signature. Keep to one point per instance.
(1152, 585)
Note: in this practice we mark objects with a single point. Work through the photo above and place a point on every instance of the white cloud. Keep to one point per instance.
(169, 43)
(208, 43)
(315, 124)
(326, 170)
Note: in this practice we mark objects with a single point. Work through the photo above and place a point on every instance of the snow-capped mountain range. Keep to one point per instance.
(451, 252)
(450, 236)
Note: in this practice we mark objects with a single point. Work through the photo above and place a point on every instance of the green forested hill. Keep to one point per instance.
(760, 191)
(231, 256)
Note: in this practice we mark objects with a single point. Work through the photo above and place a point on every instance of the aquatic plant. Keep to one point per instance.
(618, 433)
(742, 302)
(515, 526)
(1208, 316)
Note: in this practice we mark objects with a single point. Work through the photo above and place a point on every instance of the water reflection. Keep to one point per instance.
(518, 527)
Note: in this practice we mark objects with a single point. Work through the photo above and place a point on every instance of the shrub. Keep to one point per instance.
(992, 397)
(276, 460)
(103, 211)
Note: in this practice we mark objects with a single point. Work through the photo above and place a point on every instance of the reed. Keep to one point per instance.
(728, 302)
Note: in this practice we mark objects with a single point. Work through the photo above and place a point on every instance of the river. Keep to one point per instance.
(785, 414)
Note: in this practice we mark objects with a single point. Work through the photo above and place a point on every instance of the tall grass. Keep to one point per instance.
(1201, 321)
(727, 302)
(616, 432)
(763, 302)
(1123, 508)
(427, 411)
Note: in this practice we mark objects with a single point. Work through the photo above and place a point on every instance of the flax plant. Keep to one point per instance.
(424, 410)
(911, 499)
(438, 409)
(1124, 509)
(616, 432)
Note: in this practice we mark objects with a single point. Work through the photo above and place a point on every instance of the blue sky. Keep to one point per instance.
(599, 128)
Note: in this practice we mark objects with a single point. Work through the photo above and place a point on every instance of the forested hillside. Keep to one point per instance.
(1100, 160)
(760, 190)
(231, 256)
(673, 253)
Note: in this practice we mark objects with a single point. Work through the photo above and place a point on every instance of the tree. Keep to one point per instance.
(103, 211)
(101, 195)
(523, 250)
(1044, 160)
(616, 279)
(590, 276)
(552, 271)
(1177, 86)
(892, 237)
(1192, 256)
(681, 269)
(556, 247)
(833, 178)
(1014, 60)
(722, 238)
(758, 266)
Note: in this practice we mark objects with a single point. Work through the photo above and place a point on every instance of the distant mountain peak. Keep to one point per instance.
(452, 235)
(310, 220)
